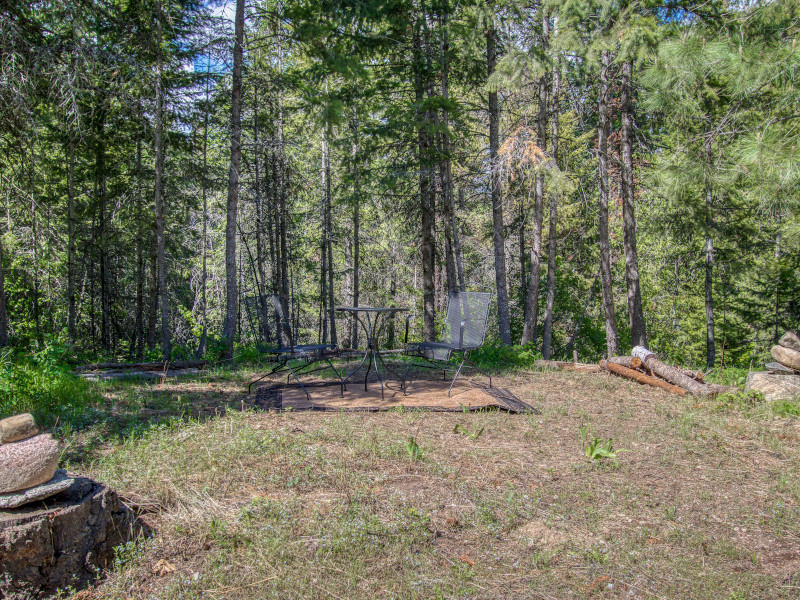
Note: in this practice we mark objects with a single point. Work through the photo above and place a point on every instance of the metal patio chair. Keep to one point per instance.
(287, 351)
(467, 321)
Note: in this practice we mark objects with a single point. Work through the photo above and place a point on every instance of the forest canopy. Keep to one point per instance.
(616, 172)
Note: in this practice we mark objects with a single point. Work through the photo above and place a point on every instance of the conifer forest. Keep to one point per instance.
(616, 172)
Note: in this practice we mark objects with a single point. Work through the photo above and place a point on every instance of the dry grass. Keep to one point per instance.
(702, 504)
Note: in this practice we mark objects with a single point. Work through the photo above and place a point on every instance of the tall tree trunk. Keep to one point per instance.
(260, 272)
(635, 311)
(100, 175)
(152, 316)
(283, 178)
(449, 252)
(137, 347)
(547, 333)
(709, 258)
(71, 238)
(35, 242)
(329, 239)
(391, 328)
(462, 284)
(232, 291)
(356, 228)
(498, 236)
(158, 150)
(201, 347)
(323, 276)
(427, 207)
(445, 167)
(529, 331)
(603, 123)
(270, 217)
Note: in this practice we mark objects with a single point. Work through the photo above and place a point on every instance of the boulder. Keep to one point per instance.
(790, 340)
(28, 463)
(774, 387)
(57, 484)
(18, 427)
(68, 540)
(786, 356)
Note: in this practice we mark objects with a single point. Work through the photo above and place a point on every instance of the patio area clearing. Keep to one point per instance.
(421, 394)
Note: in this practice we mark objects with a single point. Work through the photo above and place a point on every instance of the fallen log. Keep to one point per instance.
(671, 374)
(696, 375)
(567, 366)
(641, 377)
(786, 356)
(125, 374)
(632, 362)
(152, 366)
(790, 340)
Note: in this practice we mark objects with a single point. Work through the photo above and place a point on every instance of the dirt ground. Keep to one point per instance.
(701, 500)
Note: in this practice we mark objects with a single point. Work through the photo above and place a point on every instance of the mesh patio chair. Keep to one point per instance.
(467, 319)
(287, 351)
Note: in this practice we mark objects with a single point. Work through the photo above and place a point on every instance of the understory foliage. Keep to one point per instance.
(43, 386)
(370, 174)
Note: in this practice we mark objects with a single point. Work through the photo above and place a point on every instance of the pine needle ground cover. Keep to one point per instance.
(701, 499)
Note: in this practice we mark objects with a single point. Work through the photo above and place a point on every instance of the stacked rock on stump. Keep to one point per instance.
(55, 530)
(782, 382)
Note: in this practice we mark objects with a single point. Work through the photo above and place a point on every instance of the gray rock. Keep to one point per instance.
(774, 387)
(57, 484)
(67, 541)
(28, 463)
(18, 427)
(779, 369)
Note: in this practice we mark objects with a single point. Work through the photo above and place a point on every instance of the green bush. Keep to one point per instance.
(729, 376)
(40, 384)
(498, 356)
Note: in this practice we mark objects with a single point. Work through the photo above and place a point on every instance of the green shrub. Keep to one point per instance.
(498, 356)
(41, 385)
(729, 376)
(247, 354)
(786, 408)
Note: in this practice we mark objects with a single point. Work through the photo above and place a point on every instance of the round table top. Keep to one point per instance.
(373, 309)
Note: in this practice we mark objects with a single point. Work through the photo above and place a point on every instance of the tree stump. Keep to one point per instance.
(65, 540)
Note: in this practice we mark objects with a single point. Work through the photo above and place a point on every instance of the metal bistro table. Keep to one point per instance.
(373, 321)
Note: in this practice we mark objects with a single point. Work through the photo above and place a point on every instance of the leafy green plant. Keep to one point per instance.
(742, 400)
(473, 435)
(599, 448)
(414, 452)
(785, 408)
